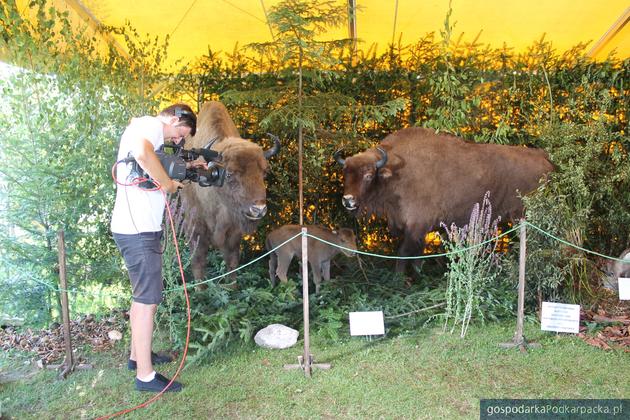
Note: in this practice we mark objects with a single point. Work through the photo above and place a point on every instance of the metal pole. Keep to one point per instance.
(69, 362)
(307, 345)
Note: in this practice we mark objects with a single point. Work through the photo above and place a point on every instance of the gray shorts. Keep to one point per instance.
(143, 257)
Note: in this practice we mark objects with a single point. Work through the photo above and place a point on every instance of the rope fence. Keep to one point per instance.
(391, 257)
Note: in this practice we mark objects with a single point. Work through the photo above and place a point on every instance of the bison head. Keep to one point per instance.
(347, 239)
(246, 167)
(361, 172)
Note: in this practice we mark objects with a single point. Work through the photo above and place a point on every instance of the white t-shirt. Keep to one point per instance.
(137, 210)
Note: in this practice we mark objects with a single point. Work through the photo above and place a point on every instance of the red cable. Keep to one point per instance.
(181, 271)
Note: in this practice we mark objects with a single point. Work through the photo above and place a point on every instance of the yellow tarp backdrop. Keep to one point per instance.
(195, 25)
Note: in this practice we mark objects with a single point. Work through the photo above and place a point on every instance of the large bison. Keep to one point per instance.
(220, 216)
(417, 178)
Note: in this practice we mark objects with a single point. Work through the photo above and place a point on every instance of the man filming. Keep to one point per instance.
(137, 229)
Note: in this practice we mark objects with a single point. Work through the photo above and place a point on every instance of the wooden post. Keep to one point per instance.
(305, 361)
(522, 258)
(306, 358)
(352, 25)
(69, 361)
(519, 340)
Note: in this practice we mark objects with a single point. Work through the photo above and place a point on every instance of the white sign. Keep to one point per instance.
(624, 288)
(560, 317)
(367, 323)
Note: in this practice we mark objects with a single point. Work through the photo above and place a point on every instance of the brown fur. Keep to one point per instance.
(319, 253)
(220, 216)
(431, 178)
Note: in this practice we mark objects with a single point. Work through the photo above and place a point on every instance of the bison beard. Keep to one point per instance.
(418, 178)
(219, 217)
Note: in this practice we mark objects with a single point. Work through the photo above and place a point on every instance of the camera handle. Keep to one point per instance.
(208, 154)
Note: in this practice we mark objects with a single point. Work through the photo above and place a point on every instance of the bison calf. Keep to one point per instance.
(319, 253)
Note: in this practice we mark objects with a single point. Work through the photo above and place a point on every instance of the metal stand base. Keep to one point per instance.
(68, 369)
(521, 343)
(305, 367)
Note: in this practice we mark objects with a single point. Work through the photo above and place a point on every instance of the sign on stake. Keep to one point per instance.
(624, 288)
(560, 317)
(367, 323)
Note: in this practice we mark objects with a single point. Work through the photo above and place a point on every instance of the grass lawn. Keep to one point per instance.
(430, 375)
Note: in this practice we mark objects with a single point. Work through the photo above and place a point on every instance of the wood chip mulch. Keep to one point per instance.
(48, 344)
(607, 325)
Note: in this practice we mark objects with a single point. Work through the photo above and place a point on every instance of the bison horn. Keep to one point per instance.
(275, 148)
(383, 160)
(338, 158)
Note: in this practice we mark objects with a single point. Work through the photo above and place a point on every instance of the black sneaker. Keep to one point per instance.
(156, 359)
(158, 384)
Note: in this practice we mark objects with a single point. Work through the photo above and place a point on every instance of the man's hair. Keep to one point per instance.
(184, 113)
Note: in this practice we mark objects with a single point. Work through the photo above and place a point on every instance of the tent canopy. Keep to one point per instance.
(196, 25)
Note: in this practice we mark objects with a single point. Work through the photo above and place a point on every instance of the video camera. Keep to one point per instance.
(175, 166)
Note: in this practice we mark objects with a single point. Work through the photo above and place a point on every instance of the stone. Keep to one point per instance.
(276, 336)
(114, 335)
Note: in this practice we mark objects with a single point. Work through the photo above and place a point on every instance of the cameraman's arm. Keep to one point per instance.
(149, 161)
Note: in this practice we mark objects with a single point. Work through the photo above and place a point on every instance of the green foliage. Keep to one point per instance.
(582, 204)
(449, 87)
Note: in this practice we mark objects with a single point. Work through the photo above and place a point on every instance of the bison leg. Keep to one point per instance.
(283, 266)
(273, 263)
(231, 252)
(200, 256)
(325, 269)
(317, 276)
(410, 247)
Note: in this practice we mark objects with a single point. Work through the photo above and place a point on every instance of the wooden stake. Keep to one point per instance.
(69, 361)
(305, 303)
(519, 340)
(305, 361)
(522, 258)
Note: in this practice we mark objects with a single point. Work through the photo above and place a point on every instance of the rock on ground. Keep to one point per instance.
(276, 336)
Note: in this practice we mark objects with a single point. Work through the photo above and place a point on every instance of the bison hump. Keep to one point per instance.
(213, 122)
